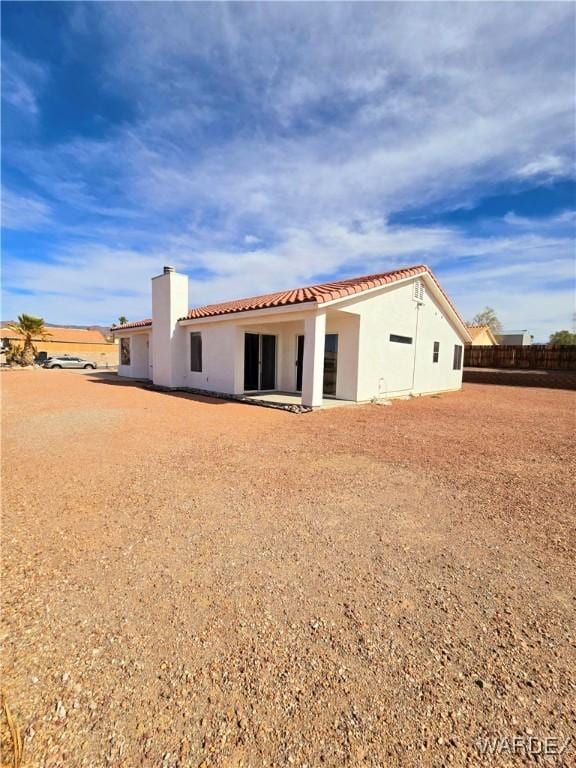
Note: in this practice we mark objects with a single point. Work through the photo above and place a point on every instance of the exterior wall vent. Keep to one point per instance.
(418, 290)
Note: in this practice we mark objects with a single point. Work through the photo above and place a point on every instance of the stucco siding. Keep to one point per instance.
(369, 364)
(218, 357)
(433, 327)
(140, 356)
(223, 353)
(169, 304)
(347, 326)
(388, 368)
(287, 340)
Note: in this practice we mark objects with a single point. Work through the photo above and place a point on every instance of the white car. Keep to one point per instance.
(67, 361)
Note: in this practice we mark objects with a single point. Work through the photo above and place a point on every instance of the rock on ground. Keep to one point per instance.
(191, 582)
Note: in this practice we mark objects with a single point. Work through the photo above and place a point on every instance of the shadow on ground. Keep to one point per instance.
(210, 398)
(112, 379)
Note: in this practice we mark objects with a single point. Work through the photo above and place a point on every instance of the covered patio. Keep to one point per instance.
(310, 360)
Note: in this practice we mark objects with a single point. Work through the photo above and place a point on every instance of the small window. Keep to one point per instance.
(436, 352)
(457, 365)
(400, 339)
(124, 351)
(196, 352)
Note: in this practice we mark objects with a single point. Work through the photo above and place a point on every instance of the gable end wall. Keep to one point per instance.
(387, 368)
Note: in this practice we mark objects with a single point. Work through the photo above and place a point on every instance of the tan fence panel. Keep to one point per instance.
(532, 357)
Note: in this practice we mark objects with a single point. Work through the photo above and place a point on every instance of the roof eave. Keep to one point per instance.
(431, 281)
(301, 306)
(129, 329)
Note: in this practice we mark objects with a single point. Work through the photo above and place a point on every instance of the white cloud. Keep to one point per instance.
(22, 80)
(84, 284)
(388, 107)
(97, 283)
(22, 212)
(546, 165)
(296, 130)
(564, 219)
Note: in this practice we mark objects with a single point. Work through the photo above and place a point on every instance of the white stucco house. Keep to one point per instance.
(380, 336)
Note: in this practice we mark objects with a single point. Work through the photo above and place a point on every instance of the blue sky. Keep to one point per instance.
(263, 146)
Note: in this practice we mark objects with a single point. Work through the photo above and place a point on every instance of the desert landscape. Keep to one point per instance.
(194, 582)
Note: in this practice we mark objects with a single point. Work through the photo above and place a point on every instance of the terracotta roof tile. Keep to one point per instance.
(135, 324)
(320, 293)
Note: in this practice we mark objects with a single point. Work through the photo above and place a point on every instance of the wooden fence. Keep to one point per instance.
(532, 357)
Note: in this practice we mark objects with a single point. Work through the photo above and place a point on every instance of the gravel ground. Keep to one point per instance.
(191, 582)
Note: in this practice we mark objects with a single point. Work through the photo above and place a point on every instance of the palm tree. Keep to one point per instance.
(29, 327)
(122, 320)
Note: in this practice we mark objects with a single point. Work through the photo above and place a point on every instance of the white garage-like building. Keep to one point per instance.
(380, 336)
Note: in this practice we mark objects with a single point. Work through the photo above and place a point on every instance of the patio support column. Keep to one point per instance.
(313, 364)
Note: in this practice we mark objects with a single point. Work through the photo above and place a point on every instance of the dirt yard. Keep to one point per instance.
(189, 582)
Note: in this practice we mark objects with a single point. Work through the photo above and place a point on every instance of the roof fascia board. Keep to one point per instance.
(494, 339)
(141, 329)
(369, 291)
(276, 312)
(430, 283)
(453, 316)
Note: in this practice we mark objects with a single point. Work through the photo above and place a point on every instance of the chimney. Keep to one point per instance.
(169, 304)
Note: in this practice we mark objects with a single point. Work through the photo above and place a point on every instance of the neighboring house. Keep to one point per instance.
(384, 335)
(89, 344)
(515, 338)
(482, 336)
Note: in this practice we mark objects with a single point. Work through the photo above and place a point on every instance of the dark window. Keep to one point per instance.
(330, 364)
(401, 339)
(196, 352)
(125, 351)
(299, 362)
(267, 361)
(457, 365)
(251, 361)
(436, 353)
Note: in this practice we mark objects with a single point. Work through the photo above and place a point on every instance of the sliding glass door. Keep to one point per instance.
(330, 363)
(259, 362)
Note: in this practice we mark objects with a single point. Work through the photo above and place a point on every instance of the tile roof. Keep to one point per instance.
(68, 335)
(136, 324)
(319, 293)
